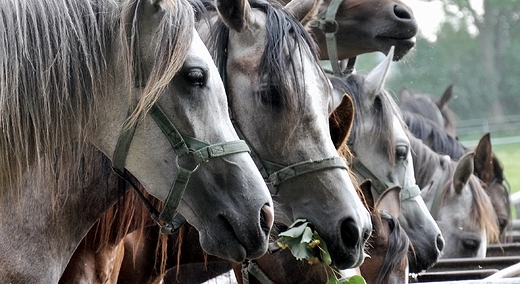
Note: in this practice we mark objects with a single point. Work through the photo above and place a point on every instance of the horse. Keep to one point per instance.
(279, 98)
(382, 153)
(456, 200)
(387, 249)
(487, 165)
(437, 110)
(81, 78)
(261, 111)
(359, 27)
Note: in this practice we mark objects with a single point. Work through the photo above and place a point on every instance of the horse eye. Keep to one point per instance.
(470, 244)
(401, 152)
(195, 77)
(502, 223)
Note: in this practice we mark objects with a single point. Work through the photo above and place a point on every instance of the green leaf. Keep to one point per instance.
(356, 279)
(324, 251)
(294, 231)
(333, 280)
(307, 235)
(301, 251)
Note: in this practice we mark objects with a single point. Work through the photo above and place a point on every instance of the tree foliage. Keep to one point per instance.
(478, 52)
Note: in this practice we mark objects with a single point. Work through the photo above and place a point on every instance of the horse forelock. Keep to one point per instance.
(397, 250)
(482, 213)
(285, 37)
(173, 35)
(382, 111)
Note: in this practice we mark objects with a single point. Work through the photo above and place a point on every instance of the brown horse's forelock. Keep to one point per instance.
(398, 244)
(54, 64)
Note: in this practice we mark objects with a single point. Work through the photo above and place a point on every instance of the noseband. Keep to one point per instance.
(184, 146)
(379, 185)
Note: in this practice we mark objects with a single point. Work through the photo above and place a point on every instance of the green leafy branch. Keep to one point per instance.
(306, 243)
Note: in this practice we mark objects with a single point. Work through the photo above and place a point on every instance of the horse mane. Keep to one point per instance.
(398, 244)
(285, 35)
(434, 135)
(423, 158)
(55, 64)
(482, 212)
(385, 108)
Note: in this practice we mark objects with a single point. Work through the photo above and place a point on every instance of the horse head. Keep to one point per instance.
(278, 96)
(382, 153)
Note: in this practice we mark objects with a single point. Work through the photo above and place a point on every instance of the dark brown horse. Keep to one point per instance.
(364, 26)
(387, 250)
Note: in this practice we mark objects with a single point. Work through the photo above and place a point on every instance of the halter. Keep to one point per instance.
(327, 23)
(379, 185)
(184, 146)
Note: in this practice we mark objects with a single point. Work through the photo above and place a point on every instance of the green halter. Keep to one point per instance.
(183, 145)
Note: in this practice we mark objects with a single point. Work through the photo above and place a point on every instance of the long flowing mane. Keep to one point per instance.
(385, 108)
(55, 59)
(284, 36)
(434, 135)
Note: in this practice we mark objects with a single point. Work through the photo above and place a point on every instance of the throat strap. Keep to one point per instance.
(380, 186)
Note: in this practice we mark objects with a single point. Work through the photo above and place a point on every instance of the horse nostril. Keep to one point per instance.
(266, 218)
(440, 242)
(350, 233)
(401, 12)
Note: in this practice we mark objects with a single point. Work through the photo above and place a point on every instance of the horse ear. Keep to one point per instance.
(484, 159)
(366, 189)
(375, 80)
(341, 120)
(390, 201)
(463, 172)
(236, 14)
(442, 103)
(303, 10)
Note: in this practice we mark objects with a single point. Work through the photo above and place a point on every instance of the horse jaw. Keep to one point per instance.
(375, 80)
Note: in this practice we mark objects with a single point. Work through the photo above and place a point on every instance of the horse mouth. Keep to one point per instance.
(402, 44)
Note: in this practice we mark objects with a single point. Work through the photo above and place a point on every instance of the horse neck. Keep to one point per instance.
(425, 162)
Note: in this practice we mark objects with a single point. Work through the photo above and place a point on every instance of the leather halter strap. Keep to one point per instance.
(183, 145)
(275, 174)
(327, 23)
(379, 185)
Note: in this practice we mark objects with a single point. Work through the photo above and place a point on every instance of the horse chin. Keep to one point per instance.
(349, 260)
(226, 245)
(402, 45)
(417, 265)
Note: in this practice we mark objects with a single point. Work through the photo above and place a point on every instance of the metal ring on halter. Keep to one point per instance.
(179, 166)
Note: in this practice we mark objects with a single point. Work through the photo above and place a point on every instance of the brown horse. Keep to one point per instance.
(387, 249)
(364, 26)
